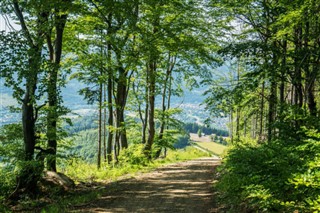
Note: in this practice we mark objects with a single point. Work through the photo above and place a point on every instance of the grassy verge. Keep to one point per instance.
(211, 147)
(83, 172)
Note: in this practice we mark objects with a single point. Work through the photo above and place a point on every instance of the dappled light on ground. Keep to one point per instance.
(182, 187)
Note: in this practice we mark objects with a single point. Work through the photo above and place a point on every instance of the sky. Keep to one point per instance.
(4, 26)
(2, 23)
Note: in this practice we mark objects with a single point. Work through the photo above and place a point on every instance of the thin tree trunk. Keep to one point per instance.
(171, 63)
(168, 107)
(283, 80)
(297, 74)
(238, 107)
(104, 123)
(312, 105)
(261, 113)
(272, 109)
(152, 89)
(110, 118)
(110, 102)
(146, 112)
(310, 75)
(100, 125)
(231, 126)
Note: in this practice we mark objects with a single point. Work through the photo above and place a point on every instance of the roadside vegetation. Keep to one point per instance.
(212, 147)
(90, 181)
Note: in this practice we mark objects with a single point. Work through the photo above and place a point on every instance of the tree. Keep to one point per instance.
(28, 69)
(56, 21)
(199, 133)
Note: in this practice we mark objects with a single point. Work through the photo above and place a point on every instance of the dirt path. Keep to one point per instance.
(182, 187)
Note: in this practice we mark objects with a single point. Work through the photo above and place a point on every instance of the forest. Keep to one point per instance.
(134, 56)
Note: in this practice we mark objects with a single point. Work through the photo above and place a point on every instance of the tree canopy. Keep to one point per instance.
(257, 60)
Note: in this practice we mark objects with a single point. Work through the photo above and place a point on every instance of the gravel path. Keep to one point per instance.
(182, 187)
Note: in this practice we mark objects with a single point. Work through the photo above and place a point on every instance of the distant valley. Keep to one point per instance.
(193, 111)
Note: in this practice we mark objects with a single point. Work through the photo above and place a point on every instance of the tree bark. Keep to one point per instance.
(104, 123)
(110, 118)
(146, 110)
(53, 105)
(100, 125)
(121, 99)
(272, 109)
(261, 113)
(29, 175)
(152, 90)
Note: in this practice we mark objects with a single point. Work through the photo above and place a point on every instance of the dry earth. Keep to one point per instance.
(182, 187)
(196, 138)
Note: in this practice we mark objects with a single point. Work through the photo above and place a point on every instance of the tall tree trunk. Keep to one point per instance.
(104, 123)
(152, 90)
(168, 107)
(52, 117)
(110, 102)
(100, 125)
(283, 80)
(261, 120)
(272, 109)
(52, 120)
(110, 117)
(28, 124)
(121, 98)
(312, 105)
(29, 175)
(231, 127)
(238, 107)
(310, 74)
(146, 112)
(297, 78)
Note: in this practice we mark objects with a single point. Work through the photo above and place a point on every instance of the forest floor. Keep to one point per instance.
(180, 187)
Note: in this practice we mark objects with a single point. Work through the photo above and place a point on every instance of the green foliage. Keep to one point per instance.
(182, 141)
(199, 133)
(85, 145)
(280, 176)
(132, 161)
(133, 155)
(11, 143)
(8, 181)
(11, 153)
(168, 140)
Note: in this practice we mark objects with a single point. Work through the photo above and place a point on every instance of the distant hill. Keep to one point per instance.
(193, 112)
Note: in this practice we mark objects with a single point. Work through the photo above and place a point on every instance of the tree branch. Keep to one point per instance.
(22, 22)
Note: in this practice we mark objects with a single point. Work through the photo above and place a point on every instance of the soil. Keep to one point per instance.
(181, 187)
(196, 138)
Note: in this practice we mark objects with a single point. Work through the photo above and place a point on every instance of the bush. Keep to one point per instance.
(133, 155)
(280, 176)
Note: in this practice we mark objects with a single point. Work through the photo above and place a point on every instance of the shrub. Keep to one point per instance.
(280, 176)
(133, 155)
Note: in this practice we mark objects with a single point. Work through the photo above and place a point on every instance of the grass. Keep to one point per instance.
(214, 148)
(81, 171)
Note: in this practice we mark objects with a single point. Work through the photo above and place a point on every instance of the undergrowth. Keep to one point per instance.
(280, 176)
(131, 161)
